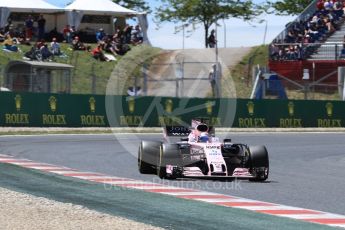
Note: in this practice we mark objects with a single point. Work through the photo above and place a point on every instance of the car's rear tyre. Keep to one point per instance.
(259, 162)
(147, 156)
(169, 154)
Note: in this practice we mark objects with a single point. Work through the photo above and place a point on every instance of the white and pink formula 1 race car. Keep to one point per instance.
(199, 154)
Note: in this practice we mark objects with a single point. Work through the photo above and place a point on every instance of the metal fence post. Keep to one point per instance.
(2, 76)
(341, 77)
(144, 69)
(306, 89)
(177, 89)
(182, 76)
(218, 80)
(93, 84)
(336, 52)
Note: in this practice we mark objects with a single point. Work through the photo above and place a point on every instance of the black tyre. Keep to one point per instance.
(259, 162)
(147, 156)
(169, 154)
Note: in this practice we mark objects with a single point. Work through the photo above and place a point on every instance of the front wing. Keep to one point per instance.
(195, 172)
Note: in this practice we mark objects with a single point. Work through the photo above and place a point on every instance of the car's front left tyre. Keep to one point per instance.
(147, 156)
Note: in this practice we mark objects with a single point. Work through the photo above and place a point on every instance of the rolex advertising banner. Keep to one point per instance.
(61, 110)
(45, 110)
(289, 114)
(163, 111)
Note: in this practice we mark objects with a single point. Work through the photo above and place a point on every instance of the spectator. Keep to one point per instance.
(212, 40)
(127, 32)
(73, 32)
(20, 37)
(306, 39)
(315, 19)
(8, 25)
(29, 26)
(338, 9)
(46, 54)
(137, 36)
(329, 25)
(328, 5)
(290, 37)
(109, 46)
(120, 48)
(55, 34)
(274, 51)
(98, 54)
(9, 44)
(324, 22)
(116, 36)
(291, 53)
(314, 33)
(55, 47)
(78, 45)
(100, 35)
(2, 36)
(41, 22)
(34, 53)
(41, 43)
(67, 34)
(320, 5)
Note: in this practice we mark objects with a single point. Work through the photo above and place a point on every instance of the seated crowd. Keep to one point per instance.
(300, 34)
(41, 52)
(107, 48)
(107, 44)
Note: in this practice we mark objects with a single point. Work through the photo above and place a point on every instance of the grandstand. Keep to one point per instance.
(312, 43)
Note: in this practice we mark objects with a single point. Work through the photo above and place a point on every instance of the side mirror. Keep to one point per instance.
(227, 140)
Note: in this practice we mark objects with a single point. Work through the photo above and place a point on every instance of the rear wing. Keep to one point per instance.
(183, 131)
(176, 131)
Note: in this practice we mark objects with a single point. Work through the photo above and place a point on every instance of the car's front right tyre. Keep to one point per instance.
(259, 163)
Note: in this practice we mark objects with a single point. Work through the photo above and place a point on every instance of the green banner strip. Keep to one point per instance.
(60, 110)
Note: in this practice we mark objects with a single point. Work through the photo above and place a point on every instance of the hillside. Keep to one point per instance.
(162, 67)
(197, 64)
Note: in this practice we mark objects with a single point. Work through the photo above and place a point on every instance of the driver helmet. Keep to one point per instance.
(203, 137)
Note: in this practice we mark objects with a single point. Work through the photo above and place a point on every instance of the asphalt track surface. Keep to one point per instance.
(306, 169)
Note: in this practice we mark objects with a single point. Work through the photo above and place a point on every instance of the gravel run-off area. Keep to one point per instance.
(23, 211)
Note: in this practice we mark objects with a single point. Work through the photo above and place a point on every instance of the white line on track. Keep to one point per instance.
(51, 168)
(152, 187)
(189, 193)
(98, 177)
(62, 172)
(312, 216)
